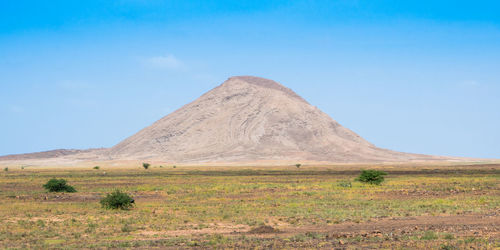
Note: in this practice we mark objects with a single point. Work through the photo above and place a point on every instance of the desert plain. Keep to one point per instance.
(427, 205)
(250, 164)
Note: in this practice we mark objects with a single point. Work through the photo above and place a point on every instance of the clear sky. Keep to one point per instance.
(413, 76)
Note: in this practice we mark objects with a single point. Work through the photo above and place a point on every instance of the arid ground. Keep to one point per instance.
(440, 207)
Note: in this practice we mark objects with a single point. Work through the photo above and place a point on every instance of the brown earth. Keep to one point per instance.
(460, 225)
(386, 229)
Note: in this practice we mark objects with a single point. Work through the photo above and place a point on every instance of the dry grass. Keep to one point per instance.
(218, 206)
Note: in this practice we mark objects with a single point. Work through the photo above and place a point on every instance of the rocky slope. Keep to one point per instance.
(247, 119)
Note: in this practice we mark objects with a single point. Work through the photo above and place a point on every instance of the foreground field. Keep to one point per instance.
(281, 207)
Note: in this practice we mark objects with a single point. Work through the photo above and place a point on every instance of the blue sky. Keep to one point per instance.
(413, 76)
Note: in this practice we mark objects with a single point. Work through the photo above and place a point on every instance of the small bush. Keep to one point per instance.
(429, 235)
(117, 200)
(97, 167)
(127, 228)
(91, 227)
(6, 169)
(345, 184)
(146, 165)
(175, 166)
(372, 176)
(448, 236)
(58, 185)
(298, 165)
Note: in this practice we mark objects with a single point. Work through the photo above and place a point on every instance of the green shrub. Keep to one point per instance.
(117, 200)
(6, 169)
(298, 165)
(97, 167)
(58, 185)
(429, 235)
(371, 176)
(146, 165)
(127, 228)
(175, 166)
(448, 236)
(346, 184)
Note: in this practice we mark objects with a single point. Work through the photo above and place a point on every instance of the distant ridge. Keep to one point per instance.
(42, 155)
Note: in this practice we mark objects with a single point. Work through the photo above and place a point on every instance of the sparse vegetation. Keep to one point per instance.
(127, 228)
(200, 203)
(145, 165)
(447, 247)
(117, 200)
(448, 236)
(345, 184)
(58, 185)
(97, 167)
(375, 177)
(429, 235)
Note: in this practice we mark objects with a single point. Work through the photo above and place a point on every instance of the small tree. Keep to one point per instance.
(298, 165)
(6, 169)
(371, 176)
(117, 200)
(145, 165)
(58, 185)
(97, 167)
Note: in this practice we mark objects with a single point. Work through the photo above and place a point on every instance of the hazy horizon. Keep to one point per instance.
(414, 77)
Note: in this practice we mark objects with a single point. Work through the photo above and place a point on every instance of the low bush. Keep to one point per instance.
(97, 167)
(146, 165)
(371, 176)
(127, 228)
(345, 184)
(429, 235)
(117, 200)
(58, 185)
(298, 165)
(6, 169)
(448, 236)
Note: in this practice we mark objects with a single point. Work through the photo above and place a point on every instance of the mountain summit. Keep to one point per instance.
(250, 118)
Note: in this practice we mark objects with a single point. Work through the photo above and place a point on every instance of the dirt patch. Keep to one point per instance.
(463, 225)
(218, 228)
(58, 197)
(264, 230)
(147, 196)
(80, 197)
(419, 194)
